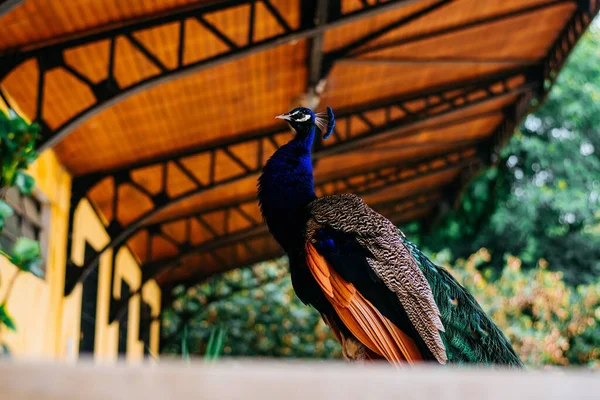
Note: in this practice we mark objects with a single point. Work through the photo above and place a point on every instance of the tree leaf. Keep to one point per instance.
(24, 252)
(24, 182)
(6, 318)
(6, 211)
(33, 267)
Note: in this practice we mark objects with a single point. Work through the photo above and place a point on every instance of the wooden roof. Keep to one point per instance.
(163, 109)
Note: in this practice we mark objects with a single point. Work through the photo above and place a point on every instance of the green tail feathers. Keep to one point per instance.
(470, 335)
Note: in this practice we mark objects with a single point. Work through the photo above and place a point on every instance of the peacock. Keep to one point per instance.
(380, 295)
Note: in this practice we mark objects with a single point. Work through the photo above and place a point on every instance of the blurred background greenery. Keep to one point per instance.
(525, 240)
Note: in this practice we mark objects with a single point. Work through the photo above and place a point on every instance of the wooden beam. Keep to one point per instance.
(297, 380)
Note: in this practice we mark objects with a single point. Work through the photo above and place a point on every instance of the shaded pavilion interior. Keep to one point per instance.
(163, 110)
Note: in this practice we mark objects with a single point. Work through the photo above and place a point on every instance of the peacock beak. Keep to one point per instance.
(284, 116)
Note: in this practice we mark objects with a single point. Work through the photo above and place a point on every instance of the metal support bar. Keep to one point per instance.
(446, 101)
(551, 65)
(371, 182)
(396, 210)
(397, 218)
(51, 56)
(518, 91)
(317, 12)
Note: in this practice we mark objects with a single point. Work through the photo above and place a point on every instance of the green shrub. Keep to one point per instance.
(258, 307)
(548, 322)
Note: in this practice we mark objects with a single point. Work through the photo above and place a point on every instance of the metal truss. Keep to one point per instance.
(402, 116)
(108, 92)
(488, 152)
(318, 11)
(360, 183)
(315, 20)
(433, 104)
(550, 66)
(398, 215)
(397, 210)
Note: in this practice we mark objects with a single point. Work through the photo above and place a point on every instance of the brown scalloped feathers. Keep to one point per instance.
(365, 322)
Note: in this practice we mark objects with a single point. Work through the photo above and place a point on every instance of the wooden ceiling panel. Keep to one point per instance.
(424, 184)
(209, 199)
(218, 103)
(456, 13)
(463, 13)
(467, 131)
(101, 197)
(37, 21)
(203, 265)
(469, 112)
(79, 58)
(128, 193)
(528, 39)
(56, 104)
(343, 35)
(420, 145)
(351, 84)
(138, 245)
(21, 83)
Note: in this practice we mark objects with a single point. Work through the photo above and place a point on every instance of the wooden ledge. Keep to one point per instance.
(285, 380)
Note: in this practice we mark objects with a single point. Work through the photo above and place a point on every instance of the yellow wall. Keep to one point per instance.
(48, 324)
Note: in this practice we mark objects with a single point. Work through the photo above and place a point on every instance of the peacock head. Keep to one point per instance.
(302, 120)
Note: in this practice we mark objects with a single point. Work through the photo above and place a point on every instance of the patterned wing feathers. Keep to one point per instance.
(363, 320)
(391, 261)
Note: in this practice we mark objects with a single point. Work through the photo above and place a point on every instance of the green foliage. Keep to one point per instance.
(17, 152)
(548, 321)
(24, 182)
(26, 256)
(259, 310)
(542, 198)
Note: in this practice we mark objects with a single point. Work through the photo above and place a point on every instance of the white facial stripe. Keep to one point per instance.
(294, 113)
(306, 117)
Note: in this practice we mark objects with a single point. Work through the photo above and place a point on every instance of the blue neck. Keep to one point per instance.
(286, 187)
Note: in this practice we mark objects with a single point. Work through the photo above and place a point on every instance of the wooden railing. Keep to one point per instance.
(293, 380)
